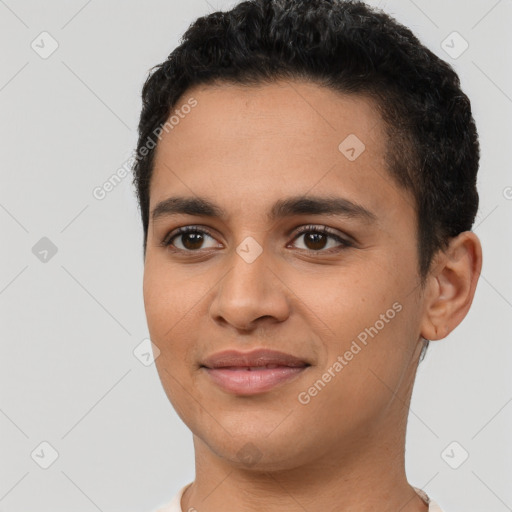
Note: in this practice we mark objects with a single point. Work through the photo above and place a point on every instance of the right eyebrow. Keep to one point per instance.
(187, 206)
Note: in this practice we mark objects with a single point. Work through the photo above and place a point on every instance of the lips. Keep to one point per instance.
(253, 372)
(255, 359)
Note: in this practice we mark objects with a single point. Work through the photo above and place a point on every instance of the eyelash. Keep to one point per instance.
(324, 230)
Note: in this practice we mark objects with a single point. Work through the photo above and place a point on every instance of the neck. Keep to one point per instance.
(347, 480)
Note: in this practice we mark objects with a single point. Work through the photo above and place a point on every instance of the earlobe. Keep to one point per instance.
(451, 286)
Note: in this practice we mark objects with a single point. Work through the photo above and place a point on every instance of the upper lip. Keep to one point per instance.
(258, 357)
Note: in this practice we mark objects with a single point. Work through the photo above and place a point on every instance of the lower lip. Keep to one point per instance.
(252, 382)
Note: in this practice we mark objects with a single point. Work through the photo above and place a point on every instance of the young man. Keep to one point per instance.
(306, 175)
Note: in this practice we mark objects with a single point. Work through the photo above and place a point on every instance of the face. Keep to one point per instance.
(331, 279)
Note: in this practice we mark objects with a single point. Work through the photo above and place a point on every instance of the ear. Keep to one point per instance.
(451, 286)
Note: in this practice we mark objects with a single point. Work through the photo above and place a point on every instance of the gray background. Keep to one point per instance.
(70, 324)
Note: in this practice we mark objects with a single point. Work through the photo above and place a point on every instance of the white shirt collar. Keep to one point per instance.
(175, 504)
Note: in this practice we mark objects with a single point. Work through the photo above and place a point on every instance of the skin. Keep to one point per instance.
(243, 149)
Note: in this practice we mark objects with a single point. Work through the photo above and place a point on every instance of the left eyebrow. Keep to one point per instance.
(297, 205)
(320, 205)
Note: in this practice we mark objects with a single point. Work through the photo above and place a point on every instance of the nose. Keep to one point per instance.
(250, 293)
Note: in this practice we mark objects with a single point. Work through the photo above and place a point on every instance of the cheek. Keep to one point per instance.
(363, 372)
(168, 294)
(346, 301)
(173, 303)
(368, 319)
(169, 313)
(163, 314)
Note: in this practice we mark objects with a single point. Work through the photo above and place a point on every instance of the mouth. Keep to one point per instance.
(253, 372)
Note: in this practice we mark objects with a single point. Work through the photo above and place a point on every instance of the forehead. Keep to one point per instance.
(264, 142)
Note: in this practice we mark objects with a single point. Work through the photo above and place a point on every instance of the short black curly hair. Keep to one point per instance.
(347, 46)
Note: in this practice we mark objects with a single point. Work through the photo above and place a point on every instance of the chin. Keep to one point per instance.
(258, 451)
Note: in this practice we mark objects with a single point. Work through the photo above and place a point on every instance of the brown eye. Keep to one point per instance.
(192, 241)
(315, 241)
(321, 239)
(189, 239)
